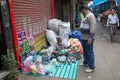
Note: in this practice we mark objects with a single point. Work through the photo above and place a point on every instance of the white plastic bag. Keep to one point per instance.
(50, 50)
(64, 31)
(51, 37)
(53, 24)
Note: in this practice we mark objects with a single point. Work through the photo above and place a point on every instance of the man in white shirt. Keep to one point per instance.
(112, 22)
(112, 18)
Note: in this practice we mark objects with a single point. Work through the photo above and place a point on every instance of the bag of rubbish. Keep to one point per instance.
(53, 24)
(64, 31)
(76, 34)
(51, 37)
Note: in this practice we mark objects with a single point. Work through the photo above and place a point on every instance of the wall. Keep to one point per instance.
(73, 13)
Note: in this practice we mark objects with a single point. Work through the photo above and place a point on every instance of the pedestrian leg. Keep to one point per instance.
(111, 33)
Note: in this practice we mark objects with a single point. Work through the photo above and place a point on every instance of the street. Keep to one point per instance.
(107, 57)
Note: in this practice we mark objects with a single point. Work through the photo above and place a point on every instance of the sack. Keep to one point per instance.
(51, 37)
(53, 24)
(76, 34)
(64, 31)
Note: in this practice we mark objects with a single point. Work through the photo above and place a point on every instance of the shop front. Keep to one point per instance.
(28, 23)
(25, 35)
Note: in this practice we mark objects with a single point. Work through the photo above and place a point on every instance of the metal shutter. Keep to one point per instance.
(30, 17)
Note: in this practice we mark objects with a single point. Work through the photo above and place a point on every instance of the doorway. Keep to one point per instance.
(62, 9)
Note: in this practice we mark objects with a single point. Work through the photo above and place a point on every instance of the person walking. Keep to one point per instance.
(87, 28)
(112, 22)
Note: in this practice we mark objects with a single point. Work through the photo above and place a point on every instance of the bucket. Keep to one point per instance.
(45, 59)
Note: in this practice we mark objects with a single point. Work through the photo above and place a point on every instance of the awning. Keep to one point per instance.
(118, 2)
(91, 6)
(97, 2)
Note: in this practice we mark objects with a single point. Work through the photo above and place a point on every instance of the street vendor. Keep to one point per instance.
(59, 50)
(59, 45)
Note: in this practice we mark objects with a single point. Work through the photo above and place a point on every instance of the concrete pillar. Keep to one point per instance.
(73, 13)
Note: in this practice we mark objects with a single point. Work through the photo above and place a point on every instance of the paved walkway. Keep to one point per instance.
(107, 61)
(107, 56)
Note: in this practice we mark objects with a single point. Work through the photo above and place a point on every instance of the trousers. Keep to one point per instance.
(88, 54)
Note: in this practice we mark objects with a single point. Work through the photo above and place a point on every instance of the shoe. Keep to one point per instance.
(89, 70)
(85, 65)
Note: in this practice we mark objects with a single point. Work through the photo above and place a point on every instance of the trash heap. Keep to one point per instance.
(57, 27)
(42, 63)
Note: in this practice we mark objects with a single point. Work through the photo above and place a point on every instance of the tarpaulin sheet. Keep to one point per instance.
(118, 2)
(97, 2)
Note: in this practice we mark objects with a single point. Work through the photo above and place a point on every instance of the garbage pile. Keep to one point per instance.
(48, 57)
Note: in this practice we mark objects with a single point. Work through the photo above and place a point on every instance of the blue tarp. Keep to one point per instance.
(97, 2)
(118, 2)
(91, 6)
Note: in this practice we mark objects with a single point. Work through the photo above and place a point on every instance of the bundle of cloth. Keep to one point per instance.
(75, 46)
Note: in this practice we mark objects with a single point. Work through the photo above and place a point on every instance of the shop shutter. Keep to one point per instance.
(30, 18)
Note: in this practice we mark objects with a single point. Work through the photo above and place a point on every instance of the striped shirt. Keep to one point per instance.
(88, 26)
